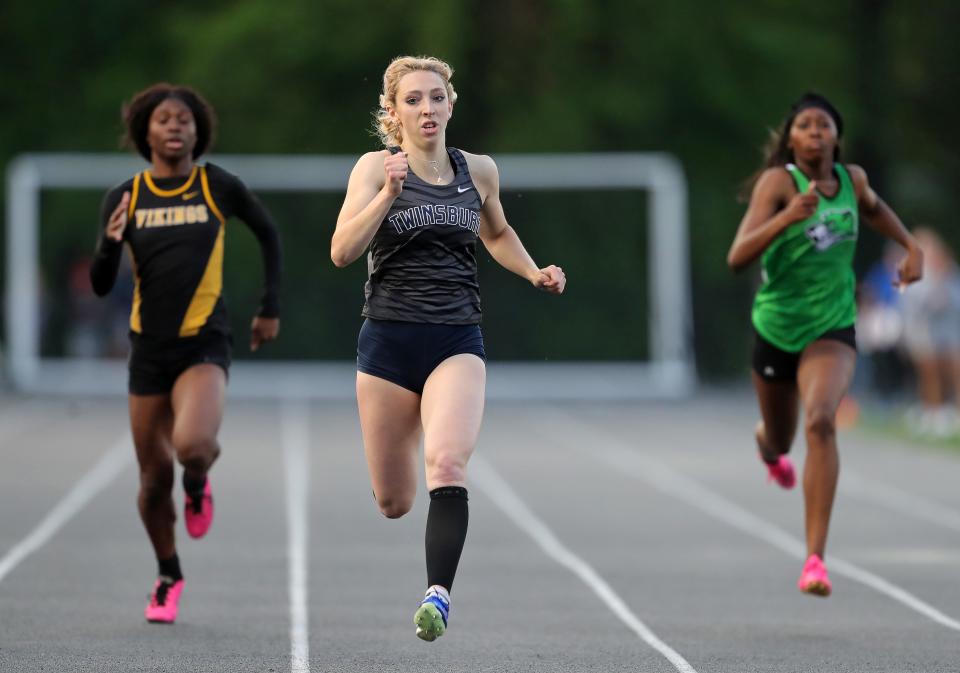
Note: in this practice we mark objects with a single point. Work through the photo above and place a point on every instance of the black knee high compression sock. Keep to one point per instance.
(446, 531)
(170, 567)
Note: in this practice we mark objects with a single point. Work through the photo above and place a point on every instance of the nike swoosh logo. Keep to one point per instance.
(461, 190)
(189, 195)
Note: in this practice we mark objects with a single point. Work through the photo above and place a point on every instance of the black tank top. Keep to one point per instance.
(422, 261)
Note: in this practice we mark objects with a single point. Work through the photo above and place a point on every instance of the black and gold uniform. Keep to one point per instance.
(175, 231)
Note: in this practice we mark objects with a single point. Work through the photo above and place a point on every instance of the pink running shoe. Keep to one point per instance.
(162, 608)
(813, 579)
(781, 472)
(198, 514)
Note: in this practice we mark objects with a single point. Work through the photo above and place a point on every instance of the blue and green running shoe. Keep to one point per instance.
(431, 617)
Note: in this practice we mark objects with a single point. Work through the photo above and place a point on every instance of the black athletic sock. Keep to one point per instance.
(170, 567)
(771, 462)
(446, 531)
(194, 487)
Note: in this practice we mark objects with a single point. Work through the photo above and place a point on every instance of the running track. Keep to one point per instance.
(603, 537)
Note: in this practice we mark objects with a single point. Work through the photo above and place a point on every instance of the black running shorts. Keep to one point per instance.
(773, 364)
(406, 353)
(155, 364)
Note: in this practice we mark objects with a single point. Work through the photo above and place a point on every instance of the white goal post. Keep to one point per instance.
(670, 371)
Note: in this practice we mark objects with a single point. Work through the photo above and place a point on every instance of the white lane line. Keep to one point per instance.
(296, 454)
(491, 483)
(105, 470)
(679, 486)
(898, 500)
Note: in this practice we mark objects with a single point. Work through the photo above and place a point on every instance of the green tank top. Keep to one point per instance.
(807, 277)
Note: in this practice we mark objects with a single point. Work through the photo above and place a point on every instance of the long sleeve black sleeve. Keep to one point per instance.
(106, 256)
(254, 215)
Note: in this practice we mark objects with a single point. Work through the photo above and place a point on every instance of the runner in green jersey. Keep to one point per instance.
(802, 222)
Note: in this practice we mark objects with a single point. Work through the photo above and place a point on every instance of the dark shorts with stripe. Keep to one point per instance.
(406, 353)
(156, 364)
(774, 364)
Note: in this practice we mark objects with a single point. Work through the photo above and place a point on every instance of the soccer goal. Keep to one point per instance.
(668, 372)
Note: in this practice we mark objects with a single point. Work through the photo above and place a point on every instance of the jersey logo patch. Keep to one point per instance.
(464, 189)
(190, 195)
(833, 226)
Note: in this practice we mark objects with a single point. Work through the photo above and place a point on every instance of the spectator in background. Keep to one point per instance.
(84, 311)
(931, 314)
(880, 326)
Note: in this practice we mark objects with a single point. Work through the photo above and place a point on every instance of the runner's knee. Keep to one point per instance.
(394, 507)
(446, 468)
(775, 440)
(156, 484)
(820, 424)
(196, 452)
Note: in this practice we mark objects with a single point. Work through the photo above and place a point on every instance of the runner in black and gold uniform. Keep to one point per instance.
(172, 216)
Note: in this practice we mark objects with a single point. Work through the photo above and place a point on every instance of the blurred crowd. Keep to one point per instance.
(95, 327)
(911, 339)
